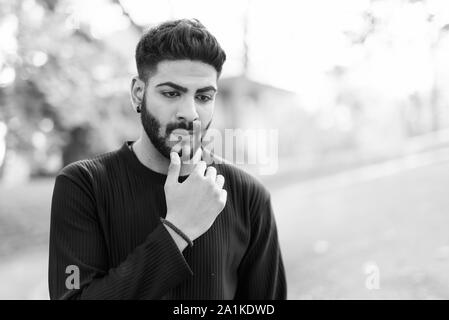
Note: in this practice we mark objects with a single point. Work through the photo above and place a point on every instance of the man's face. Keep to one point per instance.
(177, 94)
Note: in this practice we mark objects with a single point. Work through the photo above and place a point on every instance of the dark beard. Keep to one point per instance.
(152, 127)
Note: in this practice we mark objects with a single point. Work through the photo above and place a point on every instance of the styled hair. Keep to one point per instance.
(177, 40)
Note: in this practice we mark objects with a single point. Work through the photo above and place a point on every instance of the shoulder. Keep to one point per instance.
(247, 194)
(242, 184)
(77, 185)
(87, 170)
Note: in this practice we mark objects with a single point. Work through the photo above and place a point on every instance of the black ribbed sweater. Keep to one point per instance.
(105, 220)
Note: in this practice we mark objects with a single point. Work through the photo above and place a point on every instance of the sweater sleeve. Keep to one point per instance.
(76, 241)
(261, 273)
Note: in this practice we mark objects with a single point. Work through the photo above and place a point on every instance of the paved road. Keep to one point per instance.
(396, 224)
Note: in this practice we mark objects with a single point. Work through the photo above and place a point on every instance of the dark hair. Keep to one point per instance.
(177, 40)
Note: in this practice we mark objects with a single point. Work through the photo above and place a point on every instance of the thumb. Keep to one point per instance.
(174, 168)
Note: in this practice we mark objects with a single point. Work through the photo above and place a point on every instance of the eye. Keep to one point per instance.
(170, 94)
(204, 98)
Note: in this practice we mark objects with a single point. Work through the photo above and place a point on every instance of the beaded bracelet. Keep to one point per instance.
(178, 231)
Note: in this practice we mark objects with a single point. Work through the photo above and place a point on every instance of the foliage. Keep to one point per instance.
(68, 85)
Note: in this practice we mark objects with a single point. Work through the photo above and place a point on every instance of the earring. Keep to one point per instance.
(138, 108)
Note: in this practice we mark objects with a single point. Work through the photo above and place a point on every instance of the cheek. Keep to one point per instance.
(161, 112)
(206, 114)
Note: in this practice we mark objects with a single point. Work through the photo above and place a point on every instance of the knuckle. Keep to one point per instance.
(220, 179)
(224, 195)
(211, 169)
(216, 194)
(195, 174)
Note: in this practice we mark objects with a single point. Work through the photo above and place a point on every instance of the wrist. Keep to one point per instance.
(179, 241)
(180, 225)
(178, 231)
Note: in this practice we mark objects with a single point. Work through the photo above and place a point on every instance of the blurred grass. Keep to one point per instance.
(24, 216)
(24, 232)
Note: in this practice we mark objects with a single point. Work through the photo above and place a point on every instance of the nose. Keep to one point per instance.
(187, 111)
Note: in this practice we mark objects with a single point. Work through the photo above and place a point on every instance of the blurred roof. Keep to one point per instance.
(229, 83)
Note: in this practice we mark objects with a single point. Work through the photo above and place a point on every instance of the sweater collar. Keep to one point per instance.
(140, 168)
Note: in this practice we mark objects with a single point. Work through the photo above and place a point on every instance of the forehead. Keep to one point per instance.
(186, 73)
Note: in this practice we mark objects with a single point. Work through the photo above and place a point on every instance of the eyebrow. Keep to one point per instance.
(183, 89)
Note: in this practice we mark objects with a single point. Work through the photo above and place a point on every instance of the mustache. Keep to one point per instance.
(179, 125)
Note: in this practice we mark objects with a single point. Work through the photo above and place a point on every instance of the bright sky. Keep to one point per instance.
(293, 44)
(290, 42)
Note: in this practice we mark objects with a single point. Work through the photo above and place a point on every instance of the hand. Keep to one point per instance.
(194, 205)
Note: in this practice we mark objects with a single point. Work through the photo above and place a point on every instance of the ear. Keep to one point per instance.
(137, 91)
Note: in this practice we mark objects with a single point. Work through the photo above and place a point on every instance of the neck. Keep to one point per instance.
(150, 157)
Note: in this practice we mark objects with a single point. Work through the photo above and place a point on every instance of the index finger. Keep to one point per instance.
(177, 147)
(196, 134)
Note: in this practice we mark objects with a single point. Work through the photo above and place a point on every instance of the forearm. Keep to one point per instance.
(148, 272)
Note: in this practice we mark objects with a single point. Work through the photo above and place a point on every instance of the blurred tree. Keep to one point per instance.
(403, 39)
(67, 92)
